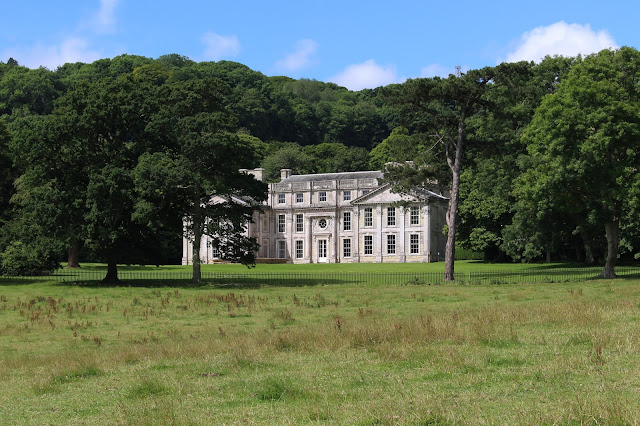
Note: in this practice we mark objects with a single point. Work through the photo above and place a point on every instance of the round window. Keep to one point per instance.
(322, 223)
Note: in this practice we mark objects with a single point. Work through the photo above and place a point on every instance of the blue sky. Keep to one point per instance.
(356, 44)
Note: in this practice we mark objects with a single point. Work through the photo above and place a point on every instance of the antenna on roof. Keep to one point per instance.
(458, 71)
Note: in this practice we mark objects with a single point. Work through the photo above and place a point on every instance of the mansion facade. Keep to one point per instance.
(341, 218)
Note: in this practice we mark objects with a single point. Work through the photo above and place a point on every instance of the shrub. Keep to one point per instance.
(466, 254)
(22, 259)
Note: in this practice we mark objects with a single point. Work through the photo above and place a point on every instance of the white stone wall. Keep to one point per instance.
(331, 211)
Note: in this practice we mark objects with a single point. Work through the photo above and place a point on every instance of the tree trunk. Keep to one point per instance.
(578, 252)
(588, 253)
(548, 259)
(197, 238)
(452, 214)
(611, 229)
(112, 273)
(195, 261)
(73, 255)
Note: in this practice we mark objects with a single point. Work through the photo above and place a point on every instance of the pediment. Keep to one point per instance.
(383, 195)
(217, 199)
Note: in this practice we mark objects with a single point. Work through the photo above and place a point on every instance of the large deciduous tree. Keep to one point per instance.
(495, 147)
(84, 155)
(198, 178)
(583, 143)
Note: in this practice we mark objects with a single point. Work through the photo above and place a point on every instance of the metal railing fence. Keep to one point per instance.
(254, 278)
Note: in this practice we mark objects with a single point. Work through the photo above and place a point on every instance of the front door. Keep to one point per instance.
(322, 250)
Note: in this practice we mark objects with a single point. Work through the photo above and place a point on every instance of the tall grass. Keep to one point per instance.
(553, 353)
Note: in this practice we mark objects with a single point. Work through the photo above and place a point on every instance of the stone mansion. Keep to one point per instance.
(341, 218)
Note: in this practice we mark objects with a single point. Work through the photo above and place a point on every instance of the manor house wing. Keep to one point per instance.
(341, 218)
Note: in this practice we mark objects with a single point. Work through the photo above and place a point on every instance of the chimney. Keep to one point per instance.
(258, 174)
(285, 173)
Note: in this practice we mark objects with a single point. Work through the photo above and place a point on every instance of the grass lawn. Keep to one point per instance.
(345, 273)
(460, 265)
(337, 354)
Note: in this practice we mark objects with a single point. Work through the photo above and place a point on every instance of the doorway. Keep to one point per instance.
(322, 251)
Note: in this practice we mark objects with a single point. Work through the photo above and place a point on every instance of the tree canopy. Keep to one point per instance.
(101, 161)
(583, 146)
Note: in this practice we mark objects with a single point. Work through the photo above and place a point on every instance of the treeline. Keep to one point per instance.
(94, 157)
(102, 161)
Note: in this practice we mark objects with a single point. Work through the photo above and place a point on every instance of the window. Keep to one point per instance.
(281, 223)
(346, 195)
(215, 253)
(368, 216)
(299, 223)
(391, 244)
(299, 249)
(365, 191)
(346, 221)
(299, 197)
(414, 243)
(391, 216)
(322, 196)
(415, 215)
(282, 249)
(322, 250)
(281, 199)
(368, 244)
(346, 247)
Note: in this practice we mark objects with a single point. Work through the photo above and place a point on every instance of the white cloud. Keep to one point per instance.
(299, 59)
(560, 39)
(73, 49)
(218, 46)
(104, 20)
(366, 75)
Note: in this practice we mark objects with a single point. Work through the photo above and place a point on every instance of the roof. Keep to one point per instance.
(418, 195)
(375, 174)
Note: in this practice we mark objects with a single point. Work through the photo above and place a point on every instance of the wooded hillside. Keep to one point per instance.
(544, 156)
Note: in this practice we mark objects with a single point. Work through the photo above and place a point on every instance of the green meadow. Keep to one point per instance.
(321, 354)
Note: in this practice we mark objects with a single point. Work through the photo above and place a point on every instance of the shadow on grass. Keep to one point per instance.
(555, 265)
(92, 272)
(13, 281)
(235, 280)
(532, 267)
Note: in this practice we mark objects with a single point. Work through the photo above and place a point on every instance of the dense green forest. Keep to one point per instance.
(101, 161)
